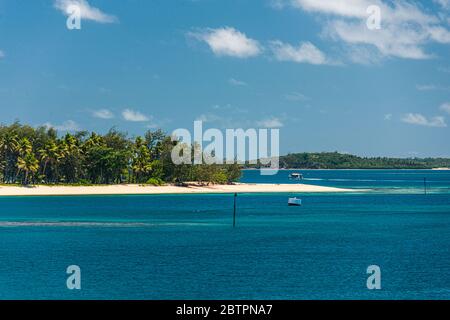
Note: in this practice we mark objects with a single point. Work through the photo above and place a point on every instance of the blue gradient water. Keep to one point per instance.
(183, 246)
(392, 181)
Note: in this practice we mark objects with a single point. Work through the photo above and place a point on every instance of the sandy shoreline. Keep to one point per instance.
(168, 189)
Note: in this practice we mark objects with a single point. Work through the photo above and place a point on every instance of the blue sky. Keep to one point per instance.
(311, 68)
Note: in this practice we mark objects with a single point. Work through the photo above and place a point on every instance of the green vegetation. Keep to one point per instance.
(40, 156)
(335, 160)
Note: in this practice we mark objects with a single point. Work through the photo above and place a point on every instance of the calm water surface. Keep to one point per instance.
(183, 246)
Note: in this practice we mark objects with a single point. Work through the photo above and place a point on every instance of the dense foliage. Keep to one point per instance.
(40, 156)
(335, 160)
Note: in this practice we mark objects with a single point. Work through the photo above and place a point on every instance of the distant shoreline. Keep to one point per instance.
(42, 190)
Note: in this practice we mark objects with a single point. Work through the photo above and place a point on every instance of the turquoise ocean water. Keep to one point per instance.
(184, 247)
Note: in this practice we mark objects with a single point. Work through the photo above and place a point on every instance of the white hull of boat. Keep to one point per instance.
(295, 202)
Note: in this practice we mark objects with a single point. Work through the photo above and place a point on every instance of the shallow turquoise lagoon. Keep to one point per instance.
(184, 246)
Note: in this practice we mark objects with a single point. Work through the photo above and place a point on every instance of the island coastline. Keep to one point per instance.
(135, 189)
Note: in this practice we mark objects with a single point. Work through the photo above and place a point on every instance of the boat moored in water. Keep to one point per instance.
(294, 202)
(296, 176)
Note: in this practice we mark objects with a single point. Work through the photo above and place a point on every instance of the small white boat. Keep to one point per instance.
(296, 176)
(294, 202)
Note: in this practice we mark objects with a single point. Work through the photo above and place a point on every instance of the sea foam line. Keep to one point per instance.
(94, 224)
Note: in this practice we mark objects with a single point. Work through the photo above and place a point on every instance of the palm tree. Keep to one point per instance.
(142, 162)
(71, 162)
(24, 146)
(93, 151)
(28, 164)
(142, 166)
(71, 144)
(50, 154)
(94, 141)
(44, 156)
(8, 147)
(9, 142)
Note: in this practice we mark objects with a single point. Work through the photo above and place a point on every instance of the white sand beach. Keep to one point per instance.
(167, 189)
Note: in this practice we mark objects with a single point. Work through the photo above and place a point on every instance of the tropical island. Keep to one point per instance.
(336, 160)
(113, 163)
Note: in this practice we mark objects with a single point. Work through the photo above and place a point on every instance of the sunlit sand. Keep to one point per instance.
(167, 189)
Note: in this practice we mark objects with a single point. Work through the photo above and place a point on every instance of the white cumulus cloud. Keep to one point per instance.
(208, 117)
(68, 125)
(431, 87)
(271, 122)
(347, 8)
(103, 114)
(445, 4)
(228, 41)
(306, 52)
(426, 87)
(134, 116)
(406, 28)
(421, 120)
(87, 11)
(445, 107)
(236, 82)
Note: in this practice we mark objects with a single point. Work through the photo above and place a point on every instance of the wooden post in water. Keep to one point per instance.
(234, 211)
(425, 185)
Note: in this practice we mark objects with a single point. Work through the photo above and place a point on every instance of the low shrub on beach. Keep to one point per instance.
(155, 182)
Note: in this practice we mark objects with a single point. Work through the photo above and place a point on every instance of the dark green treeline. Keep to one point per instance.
(40, 156)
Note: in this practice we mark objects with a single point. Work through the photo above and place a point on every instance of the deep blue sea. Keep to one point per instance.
(184, 246)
